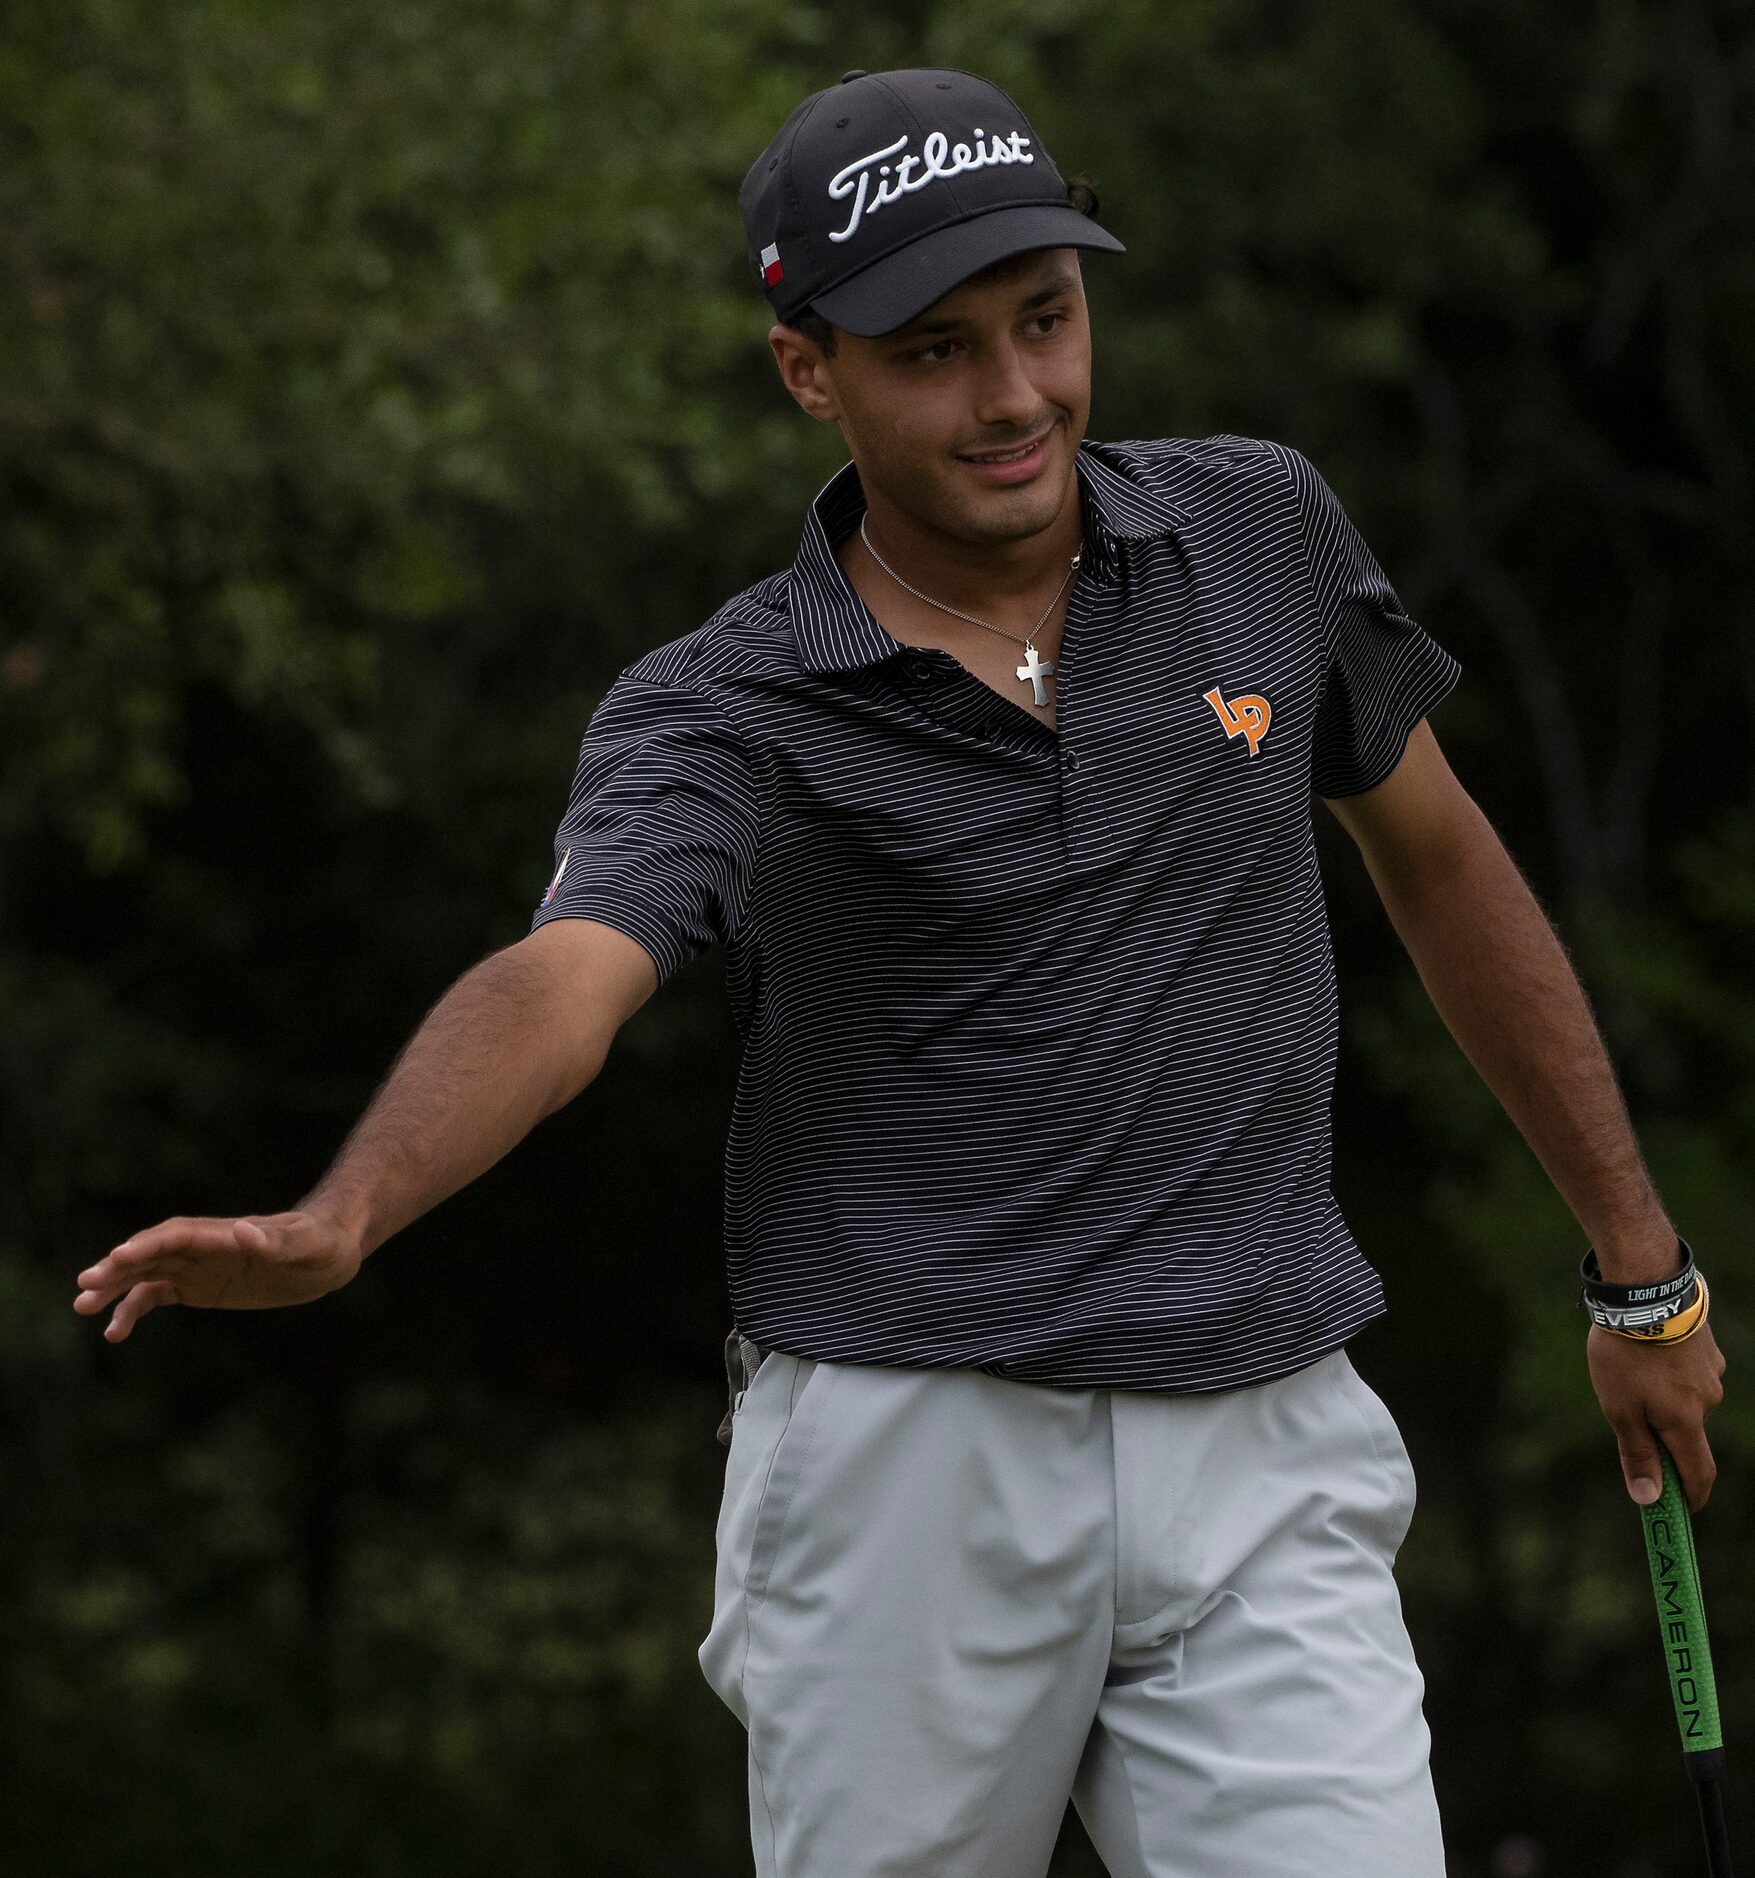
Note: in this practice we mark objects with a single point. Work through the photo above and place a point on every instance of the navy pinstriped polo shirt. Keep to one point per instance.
(1038, 1024)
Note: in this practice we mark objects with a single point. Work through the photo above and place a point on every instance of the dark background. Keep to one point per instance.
(375, 383)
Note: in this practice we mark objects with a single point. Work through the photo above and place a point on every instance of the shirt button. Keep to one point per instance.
(1071, 759)
(920, 667)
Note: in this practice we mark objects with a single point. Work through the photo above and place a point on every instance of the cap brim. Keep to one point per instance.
(892, 291)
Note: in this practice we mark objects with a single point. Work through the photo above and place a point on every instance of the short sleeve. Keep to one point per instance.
(1383, 672)
(659, 836)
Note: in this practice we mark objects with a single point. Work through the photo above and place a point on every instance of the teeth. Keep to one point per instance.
(1011, 456)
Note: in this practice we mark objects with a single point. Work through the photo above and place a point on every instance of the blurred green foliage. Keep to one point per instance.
(374, 384)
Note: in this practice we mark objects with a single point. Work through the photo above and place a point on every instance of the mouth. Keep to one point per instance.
(1013, 464)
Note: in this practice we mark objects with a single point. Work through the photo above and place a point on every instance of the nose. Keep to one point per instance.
(1005, 394)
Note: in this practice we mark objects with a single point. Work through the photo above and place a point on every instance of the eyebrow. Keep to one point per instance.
(916, 329)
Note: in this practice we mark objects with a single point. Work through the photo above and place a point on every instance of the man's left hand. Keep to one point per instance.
(1659, 1391)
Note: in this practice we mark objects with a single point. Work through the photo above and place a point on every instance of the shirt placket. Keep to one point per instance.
(959, 700)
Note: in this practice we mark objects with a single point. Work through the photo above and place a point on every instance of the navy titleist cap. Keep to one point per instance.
(879, 194)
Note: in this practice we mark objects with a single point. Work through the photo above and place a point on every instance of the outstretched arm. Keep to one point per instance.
(515, 1038)
(1501, 980)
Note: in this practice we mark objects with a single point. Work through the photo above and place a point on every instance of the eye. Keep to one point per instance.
(934, 354)
(1052, 320)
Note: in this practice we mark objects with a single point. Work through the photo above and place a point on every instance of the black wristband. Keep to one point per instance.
(1599, 1290)
(1639, 1310)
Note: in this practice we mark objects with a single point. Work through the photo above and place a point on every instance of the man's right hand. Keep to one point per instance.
(247, 1264)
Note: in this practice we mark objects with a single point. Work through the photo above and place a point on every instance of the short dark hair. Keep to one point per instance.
(1081, 192)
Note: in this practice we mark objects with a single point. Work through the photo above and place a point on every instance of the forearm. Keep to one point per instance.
(1500, 978)
(489, 1061)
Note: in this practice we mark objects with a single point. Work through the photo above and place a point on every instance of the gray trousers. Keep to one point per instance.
(946, 1604)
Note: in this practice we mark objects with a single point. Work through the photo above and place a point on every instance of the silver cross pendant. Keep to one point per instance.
(1037, 669)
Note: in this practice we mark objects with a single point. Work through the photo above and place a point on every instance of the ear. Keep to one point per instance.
(805, 373)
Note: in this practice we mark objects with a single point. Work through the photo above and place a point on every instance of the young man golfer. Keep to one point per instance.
(1049, 1474)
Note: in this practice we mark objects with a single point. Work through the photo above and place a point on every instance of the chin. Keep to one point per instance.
(1015, 514)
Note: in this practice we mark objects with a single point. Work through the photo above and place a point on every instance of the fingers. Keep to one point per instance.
(1692, 1454)
(159, 1250)
(135, 1305)
(1640, 1466)
(1643, 1469)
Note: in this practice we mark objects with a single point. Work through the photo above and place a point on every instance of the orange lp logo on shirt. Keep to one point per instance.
(1242, 717)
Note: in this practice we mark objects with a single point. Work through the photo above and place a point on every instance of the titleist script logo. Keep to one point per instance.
(938, 157)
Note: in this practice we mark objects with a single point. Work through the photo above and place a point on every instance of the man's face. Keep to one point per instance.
(1002, 360)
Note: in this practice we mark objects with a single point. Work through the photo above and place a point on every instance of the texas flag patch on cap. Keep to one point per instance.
(553, 884)
(771, 268)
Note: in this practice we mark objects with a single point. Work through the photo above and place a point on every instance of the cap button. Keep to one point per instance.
(847, 78)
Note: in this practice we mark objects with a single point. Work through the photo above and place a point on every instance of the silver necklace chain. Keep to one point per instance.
(970, 617)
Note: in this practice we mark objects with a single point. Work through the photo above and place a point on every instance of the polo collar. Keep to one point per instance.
(835, 629)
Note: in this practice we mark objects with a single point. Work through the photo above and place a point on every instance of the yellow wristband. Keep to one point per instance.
(1677, 1329)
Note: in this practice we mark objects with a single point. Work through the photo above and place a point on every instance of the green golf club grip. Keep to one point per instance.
(1675, 1581)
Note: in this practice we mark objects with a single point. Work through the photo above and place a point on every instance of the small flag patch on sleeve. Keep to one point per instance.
(553, 884)
(771, 268)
